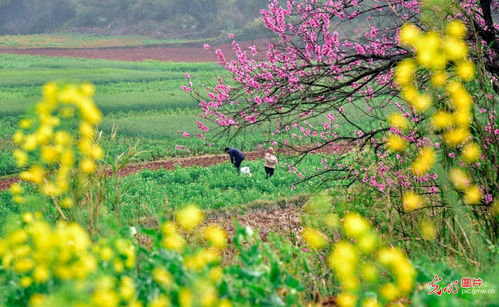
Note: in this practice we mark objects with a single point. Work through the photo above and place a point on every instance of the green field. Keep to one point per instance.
(143, 101)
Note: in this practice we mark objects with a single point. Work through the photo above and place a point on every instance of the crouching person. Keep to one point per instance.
(236, 157)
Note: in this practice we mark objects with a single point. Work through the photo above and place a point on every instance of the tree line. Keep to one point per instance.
(159, 17)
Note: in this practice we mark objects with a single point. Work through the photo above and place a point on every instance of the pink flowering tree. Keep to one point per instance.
(325, 75)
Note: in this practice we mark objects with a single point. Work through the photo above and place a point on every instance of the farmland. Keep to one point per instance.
(80, 40)
(379, 119)
(120, 87)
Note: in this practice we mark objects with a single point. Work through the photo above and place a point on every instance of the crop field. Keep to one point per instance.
(370, 168)
(143, 101)
(80, 40)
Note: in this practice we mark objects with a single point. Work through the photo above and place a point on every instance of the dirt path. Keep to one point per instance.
(135, 54)
(171, 164)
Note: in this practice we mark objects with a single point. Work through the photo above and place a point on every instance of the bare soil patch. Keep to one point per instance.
(136, 54)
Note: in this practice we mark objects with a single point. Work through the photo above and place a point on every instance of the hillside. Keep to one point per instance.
(155, 18)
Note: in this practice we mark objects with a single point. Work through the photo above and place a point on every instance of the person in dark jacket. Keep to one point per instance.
(236, 157)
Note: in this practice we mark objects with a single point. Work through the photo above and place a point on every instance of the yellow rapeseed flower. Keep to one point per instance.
(344, 258)
(30, 142)
(395, 143)
(168, 228)
(314, 239)
(43, 134)
(462, 118)
(424, 162)
(63, 138)
(346, 299)
(455, 49)
(16, 189)
(215, 274)
(25, 124)
(49, 154)
(18, 137)
(87, 166)
(465, 70)
(174, 242)
(438, 61)
(369, 272)
(41, 274)
(459, 179)
(397, 120)
(96, 152)
(421, 102)
(370, 302)
(67, 203)
(412, 201)
(87, 89)
(162, 277)
(35, 174)
(456, 29)
(471, 152)
(409, 34)
(427, 48)
(368, 242)
(26, 282)
(159, 301)
(472, 195)
(404, 72)
(127, 288)
(21, 157)
(389, 291)
(186, 298)
(441, 120)
(355, 225)
(439, 78)
(428, 230)
(105, 298)
(456, 136)
(216, 236)
(24, 265)
(189, 217)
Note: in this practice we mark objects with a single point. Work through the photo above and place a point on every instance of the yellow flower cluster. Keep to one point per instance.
(314, 238)
(445, 58)
(365, 260)
(105, 291)
(44, 145)
(39, 252)
(119, 255)
(202, 263)
(112, 292)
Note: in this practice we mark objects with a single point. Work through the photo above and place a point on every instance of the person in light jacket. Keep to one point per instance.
(270, 162)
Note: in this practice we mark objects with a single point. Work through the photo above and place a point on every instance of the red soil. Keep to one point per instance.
(135, 54)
